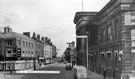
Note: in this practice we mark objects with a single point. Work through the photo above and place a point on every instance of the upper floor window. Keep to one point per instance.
(29, 44)
(26, 44)
(109, 36)
(116, 29)
(9, 43)
(19, 42)
(23, 44)
(103, 36)
(32, 46)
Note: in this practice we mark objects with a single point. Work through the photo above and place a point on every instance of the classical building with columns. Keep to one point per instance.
(111, 39)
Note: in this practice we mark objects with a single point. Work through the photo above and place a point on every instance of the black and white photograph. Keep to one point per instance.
(67, 39)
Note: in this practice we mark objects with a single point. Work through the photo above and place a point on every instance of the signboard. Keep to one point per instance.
(83, 36)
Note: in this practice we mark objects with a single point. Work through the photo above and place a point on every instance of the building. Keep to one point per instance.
(69, 54)
(22, 51)
(38, 45)
(15, 47)
(111, 41)
(48, 50)
(54, 51)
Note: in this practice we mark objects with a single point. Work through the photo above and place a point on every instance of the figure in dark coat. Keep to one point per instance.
(104, 73)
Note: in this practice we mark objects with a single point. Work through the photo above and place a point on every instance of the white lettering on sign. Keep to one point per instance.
(48, 72)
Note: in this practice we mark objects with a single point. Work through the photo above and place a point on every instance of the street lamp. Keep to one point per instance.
(87, 50)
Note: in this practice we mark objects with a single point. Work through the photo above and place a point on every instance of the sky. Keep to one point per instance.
(49, 18)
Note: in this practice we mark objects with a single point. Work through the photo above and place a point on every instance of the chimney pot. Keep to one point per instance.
(38, 36)
(43, 39)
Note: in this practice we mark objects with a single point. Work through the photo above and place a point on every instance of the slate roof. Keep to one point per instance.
(13, 35)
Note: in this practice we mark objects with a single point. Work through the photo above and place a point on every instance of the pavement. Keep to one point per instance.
(6, 74)
(90, 74)
(93, 75)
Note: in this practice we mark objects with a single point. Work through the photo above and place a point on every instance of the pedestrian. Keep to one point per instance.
(10, 68)
(104, 73)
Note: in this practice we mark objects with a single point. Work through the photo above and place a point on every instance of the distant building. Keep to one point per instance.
(23, 51)
(54, 51)
(39, 45)
(70, 53)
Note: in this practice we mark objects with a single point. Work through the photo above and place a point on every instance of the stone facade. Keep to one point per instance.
(111, 39)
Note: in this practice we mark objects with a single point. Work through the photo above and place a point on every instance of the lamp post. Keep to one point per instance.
(87, 50)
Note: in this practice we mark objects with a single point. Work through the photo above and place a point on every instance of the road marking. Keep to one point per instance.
(48, 72)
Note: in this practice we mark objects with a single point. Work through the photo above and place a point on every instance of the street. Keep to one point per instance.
(64, 74)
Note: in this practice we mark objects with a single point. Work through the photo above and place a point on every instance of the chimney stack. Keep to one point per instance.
(43, 39)
(38, 36)
(49, 40)
(34, 35)
(26, 34)
(7, 29)
(46, 38)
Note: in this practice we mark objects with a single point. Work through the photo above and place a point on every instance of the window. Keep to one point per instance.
(23, 44)
(116, 58)
(9, 53)
(9, 43)
(29, 44)
(109, 58)
(104, 35)
(19, 42)
(116, 28)
(109, 30)
(102, 58)
(26, 44)
(32, 45)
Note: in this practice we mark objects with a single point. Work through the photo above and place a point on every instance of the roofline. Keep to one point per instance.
(82, 13)
(106, 6)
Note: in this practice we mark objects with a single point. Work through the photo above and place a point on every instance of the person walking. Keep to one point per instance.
(10, 68)
(104, 73)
